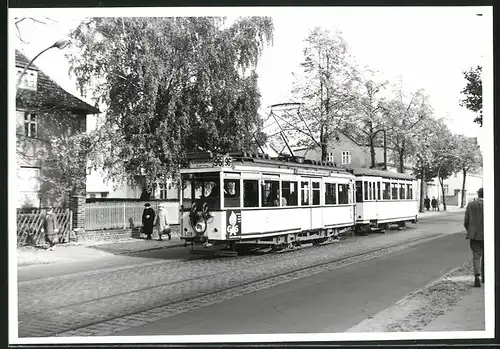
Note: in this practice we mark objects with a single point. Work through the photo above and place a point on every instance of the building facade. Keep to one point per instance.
(45, 115)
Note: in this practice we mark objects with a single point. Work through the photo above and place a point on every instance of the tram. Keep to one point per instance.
(249, 200)
(384, 198)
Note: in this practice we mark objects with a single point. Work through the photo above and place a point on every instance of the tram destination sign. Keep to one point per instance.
(311, 172)
(218, 161)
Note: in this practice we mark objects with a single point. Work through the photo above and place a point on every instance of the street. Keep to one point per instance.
(328, 288)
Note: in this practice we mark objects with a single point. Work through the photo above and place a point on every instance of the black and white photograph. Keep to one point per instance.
(250, 174)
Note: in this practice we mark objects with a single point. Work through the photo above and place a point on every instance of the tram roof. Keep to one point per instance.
(379, 173)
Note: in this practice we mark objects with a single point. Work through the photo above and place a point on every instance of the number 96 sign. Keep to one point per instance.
(220, 161)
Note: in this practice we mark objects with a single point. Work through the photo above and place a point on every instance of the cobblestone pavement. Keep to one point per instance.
(112, 300)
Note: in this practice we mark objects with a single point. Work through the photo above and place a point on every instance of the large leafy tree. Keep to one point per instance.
(325, 88)
(473, 93)
(404, 115)
(369, 122)
(468, 158)
(170, 86)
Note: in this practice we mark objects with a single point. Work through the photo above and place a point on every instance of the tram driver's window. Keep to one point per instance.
(270, 193)
(304, 193)
(250, 193)
(231, 193)
(386, 195)
(343, 194)
(289, 193)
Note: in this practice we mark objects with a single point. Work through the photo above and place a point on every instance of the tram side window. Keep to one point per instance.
(343, 194)
(371, 187)
(316, 193)
(330, 193)
(359, 191)
(386, 195)
(232, 193)
(402, 194)
(394, 187)
(289, 193)
(378, 190)
(270, 193)
(409, 192)
(366, 190)
(305, 193)
(250, 193)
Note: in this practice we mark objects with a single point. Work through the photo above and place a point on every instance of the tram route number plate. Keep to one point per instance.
(233, 223)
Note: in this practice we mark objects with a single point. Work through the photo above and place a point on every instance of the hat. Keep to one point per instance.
(480, 192)
(147, 204)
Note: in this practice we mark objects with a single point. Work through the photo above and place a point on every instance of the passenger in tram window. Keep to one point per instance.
(283, 201)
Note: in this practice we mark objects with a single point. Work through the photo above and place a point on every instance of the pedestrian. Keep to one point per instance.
(148, 218)
(434, 203)
(474, 224)
(427, 203)
(162, 224)
(50, 228)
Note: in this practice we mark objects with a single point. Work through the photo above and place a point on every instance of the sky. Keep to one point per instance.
(428, 47)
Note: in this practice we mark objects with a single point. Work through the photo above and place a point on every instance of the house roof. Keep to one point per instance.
(50, 93)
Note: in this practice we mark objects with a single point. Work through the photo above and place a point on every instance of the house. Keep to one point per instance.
(453, 188)
(345, 152)
(44, 112)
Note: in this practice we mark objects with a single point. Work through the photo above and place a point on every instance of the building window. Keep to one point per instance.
(92, 195)
(30, 124)
(346, 157)
(163, 191)
(446, 189)
(29, 79)
(104, 194)
(329, 157)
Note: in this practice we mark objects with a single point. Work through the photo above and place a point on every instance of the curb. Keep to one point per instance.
(149, 249)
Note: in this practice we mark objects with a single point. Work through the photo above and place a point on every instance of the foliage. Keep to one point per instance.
(325, 89)
(404, 116)
(367, 124)
(170, 86)
(468, 158)
(473, 92)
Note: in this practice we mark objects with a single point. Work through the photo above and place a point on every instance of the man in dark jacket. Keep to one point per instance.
(148, 218)
(474, 224)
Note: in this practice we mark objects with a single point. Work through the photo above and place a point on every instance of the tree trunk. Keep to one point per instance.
(324, 150)
(462, 204)
(441, 181)
(422, 182)
(401, 162)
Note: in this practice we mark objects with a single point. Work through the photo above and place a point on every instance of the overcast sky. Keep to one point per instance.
(428, 47)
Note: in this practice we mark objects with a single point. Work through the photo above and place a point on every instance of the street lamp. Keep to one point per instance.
(60, 44)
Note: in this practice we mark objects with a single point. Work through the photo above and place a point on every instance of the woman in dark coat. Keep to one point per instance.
(50, 228)
(148, 218)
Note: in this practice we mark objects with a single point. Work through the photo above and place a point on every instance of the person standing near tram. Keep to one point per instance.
(148, 218)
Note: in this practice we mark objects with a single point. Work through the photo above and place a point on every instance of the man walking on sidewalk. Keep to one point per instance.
(473, 223)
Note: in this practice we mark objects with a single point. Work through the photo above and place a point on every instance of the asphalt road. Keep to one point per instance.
(331, 301)
(116, 292)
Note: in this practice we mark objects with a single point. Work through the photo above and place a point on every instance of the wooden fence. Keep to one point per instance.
(29, 226)
(118, 215)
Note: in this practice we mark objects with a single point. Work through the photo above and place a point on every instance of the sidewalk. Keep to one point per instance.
(449, 209)
(29, 255)
(467, 315)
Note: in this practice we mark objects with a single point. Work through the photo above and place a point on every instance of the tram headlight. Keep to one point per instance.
(199, 227)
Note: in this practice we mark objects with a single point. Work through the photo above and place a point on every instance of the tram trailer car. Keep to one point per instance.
(384, 198)
(254, 201)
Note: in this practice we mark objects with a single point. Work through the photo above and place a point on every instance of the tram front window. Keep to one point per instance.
(201, 188)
